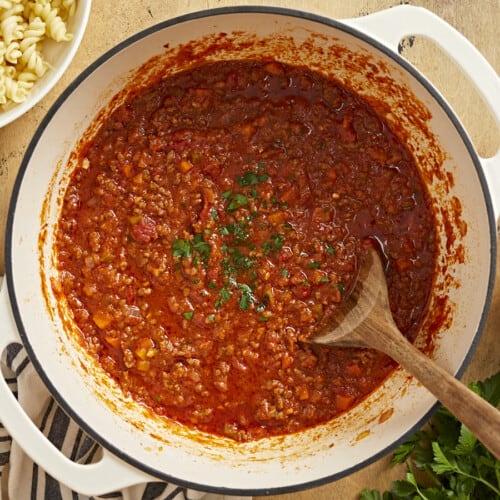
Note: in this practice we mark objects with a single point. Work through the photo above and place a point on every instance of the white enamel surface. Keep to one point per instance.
(216, 464)
(390, 26)
(59, 56)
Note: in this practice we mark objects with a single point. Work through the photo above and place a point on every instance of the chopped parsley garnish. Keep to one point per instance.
(237, 229)
(201, 246)
(225, 295)
(238, 200)
(181, 248)
(238, 262)
(241, 261)
(330, 249)
(250, 178)
(196, 248)
(275, 243)
(314, 265)
(188, 315)
(246, 297)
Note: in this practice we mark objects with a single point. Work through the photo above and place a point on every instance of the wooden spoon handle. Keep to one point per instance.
(481, 418)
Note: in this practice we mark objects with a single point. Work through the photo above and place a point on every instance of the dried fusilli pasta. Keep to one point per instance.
(24, 25)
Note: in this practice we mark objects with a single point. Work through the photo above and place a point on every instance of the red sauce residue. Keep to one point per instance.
(386, 415)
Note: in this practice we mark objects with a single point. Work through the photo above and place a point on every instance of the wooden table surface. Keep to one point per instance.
(111, 22)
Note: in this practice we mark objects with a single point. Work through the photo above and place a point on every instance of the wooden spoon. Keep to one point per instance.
(365, 320)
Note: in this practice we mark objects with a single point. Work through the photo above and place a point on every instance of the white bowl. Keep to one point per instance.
(59, 55)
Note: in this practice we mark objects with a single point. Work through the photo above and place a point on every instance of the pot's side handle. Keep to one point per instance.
(109, 474)
(392, 25)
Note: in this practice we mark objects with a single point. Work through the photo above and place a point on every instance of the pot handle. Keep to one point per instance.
(390, 26)
(109, 474)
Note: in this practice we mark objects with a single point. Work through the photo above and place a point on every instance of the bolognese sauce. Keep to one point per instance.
(216, 221)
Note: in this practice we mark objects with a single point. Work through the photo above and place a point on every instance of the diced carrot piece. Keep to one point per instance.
(127, 170)
(317, 310)
(143, 348)
(134, 219)
(288, 195)
(89, 290)
(286, 362)
(142, 365)
(208, 195)
(112, 341)
(185, 166)
(343, 402)
(277, 217)
(101, 319)
(302, 392)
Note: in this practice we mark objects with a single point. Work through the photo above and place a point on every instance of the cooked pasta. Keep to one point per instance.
(55, 26)
(30, 56)
(13, 53)
(24, 25)
(66, 7)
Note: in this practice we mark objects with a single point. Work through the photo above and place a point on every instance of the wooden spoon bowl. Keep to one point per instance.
(365, 320)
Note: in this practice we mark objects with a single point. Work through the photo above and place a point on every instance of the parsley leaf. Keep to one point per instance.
(441, 463)
(181, 248)
(330, 249)
(246, 297)
(250, 178)
(275, 243)
(202, 247)
(197, 248)
(370, 495)
(237, 201)
(225, 295)
(450, 461)
(314, 265)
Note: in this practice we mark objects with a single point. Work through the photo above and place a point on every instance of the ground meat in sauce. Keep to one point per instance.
(217, 219)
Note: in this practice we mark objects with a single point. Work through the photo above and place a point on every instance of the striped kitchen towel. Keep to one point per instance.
(25, 480)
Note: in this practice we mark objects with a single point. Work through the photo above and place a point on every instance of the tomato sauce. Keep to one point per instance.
(216, 221)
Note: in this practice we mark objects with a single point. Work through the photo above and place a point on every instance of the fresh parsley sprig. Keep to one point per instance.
(445, 461)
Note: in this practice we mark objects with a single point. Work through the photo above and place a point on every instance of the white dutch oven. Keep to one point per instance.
(361, 53)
